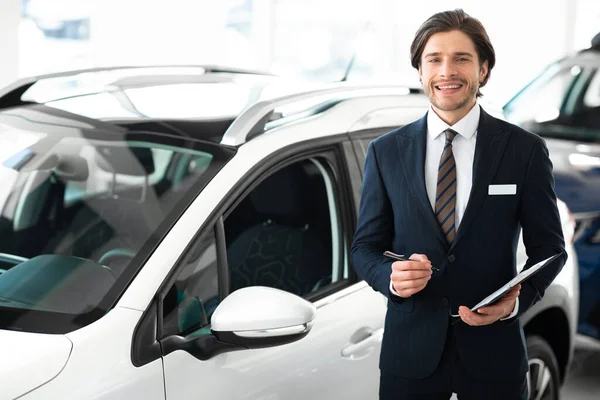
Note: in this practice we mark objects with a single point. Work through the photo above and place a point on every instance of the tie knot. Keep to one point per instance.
(450, 135)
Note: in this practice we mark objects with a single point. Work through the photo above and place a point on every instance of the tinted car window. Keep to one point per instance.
(591, 98)
(285, 234)
(543, 98)
(587, 115)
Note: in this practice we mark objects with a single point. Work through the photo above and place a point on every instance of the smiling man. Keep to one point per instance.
(451, 72)
(454, 189)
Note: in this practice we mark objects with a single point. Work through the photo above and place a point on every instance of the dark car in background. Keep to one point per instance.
(562, 105)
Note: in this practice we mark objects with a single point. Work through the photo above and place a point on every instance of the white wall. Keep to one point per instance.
(526, 35)
(308, 38)
(588, 22)
(10, 11)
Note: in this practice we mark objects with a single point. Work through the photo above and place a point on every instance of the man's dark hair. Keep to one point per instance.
(456, 20)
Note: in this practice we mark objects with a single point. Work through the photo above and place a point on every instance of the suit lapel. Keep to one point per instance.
(412, 146)
(490, 146)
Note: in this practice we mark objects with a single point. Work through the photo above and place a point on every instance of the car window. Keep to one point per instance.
(285, 233)
(542, 100)
(591, 99)
(78, 207)
(194, 295)
(583, 108)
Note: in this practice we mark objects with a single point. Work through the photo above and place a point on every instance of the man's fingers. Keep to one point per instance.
(474, 319)
(419, 262)
(410, 275)
(513, 293)
(411, 265)
(490, 314)
(497, 310)
(511, 296)
(506, 302)
(419, 257)
(411, 284)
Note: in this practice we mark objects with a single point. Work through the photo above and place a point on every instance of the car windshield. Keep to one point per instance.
(81, 209)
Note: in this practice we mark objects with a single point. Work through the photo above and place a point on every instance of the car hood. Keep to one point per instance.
(30, 360)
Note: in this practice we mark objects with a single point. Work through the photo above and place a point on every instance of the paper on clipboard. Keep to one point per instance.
(520, 278)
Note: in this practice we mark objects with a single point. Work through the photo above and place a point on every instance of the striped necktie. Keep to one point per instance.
(445, 194)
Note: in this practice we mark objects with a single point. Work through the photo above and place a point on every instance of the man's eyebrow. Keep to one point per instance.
(458, 53)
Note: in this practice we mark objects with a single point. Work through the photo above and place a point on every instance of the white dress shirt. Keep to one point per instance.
(463, 149)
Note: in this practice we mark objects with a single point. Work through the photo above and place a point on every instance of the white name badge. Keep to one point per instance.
(495, 190)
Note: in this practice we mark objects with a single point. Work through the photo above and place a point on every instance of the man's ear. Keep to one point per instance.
(483, 72)
(420, 73)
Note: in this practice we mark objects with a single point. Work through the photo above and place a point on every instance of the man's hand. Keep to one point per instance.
(490, 314)
(410, 277)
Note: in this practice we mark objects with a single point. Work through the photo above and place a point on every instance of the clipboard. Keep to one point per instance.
(520, 278)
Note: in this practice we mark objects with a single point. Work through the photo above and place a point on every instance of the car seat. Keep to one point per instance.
(283, 249)
(112, 226)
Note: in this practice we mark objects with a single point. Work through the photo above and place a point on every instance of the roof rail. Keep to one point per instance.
(252, 121)
(11, 95)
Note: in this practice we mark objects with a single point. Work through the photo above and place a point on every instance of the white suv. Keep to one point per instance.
(149, 253)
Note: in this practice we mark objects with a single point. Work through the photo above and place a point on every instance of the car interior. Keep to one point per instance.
(280, 234)
(101, 206)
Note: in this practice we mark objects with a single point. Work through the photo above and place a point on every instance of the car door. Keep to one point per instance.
(360, 142)
(292, 230)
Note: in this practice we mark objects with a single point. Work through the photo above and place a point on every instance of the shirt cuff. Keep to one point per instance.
(393, 291)
(515, 311)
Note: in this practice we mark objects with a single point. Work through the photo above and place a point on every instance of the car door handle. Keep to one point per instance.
(362, 342)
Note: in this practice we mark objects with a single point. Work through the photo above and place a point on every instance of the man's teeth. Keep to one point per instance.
(449, 87)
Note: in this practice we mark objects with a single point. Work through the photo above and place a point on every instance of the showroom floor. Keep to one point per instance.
(583, 380)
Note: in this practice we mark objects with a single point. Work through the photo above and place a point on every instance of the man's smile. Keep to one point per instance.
(448, 86)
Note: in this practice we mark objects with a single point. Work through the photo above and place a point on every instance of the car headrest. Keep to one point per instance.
(280, 195)
(68, 167)
(137, 161)
(71, 168)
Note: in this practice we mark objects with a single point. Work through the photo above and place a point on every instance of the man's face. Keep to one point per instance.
(451, 73)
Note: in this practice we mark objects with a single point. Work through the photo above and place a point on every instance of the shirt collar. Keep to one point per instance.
(466, 127)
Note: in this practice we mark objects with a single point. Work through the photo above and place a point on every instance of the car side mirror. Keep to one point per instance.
(258, 316)
(249, 318)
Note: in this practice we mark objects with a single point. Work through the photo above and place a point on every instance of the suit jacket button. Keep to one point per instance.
(445, 301)
(451, 258)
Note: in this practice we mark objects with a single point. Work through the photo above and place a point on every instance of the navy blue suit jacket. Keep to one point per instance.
(395, 214)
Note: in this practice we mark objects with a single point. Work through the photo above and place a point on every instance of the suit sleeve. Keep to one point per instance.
(374, 230)
(542, 228)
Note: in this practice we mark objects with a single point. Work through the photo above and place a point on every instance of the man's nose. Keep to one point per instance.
(448, 69)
